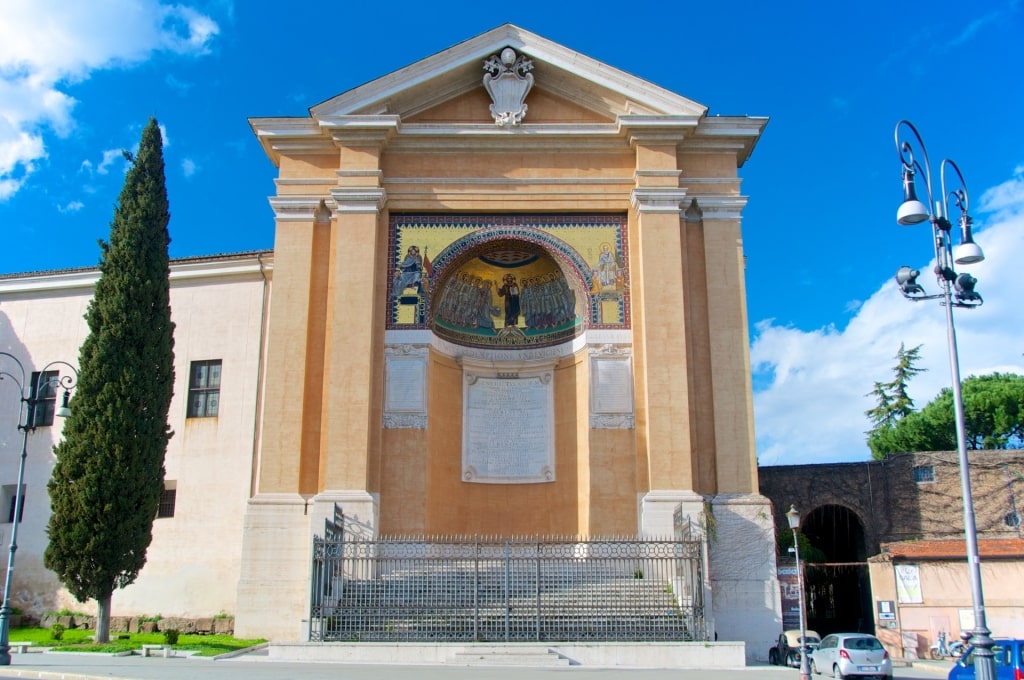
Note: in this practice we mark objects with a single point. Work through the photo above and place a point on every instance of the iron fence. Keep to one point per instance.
(472, 588)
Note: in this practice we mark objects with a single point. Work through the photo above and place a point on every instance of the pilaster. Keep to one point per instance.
(353, 366)
(290, 431)
(663, 390)
(736, 458)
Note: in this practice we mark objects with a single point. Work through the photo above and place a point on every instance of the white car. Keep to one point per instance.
(850, 655)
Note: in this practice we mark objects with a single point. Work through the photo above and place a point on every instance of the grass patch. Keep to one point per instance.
(78, 640)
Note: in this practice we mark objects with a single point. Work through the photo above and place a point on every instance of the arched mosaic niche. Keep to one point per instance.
(506, 292)
(461, 276)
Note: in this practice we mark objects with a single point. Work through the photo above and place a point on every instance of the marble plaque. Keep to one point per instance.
(405, 387)
(508, 427)
(611, 388)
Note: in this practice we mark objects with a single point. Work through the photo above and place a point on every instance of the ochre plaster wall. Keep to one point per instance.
(452, 506)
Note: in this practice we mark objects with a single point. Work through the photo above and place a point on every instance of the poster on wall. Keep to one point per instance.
(789, 587)
(908, 584)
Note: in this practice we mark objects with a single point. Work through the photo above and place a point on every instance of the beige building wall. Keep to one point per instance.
(945, 602)
(218, 307)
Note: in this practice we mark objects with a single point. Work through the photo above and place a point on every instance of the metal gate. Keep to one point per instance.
(473, 588)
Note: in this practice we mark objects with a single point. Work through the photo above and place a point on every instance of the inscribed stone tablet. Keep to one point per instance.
(508, 433)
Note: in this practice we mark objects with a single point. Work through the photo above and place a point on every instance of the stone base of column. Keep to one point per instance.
(746, 603)
(273, 586)
(658, 508)
(361, 511)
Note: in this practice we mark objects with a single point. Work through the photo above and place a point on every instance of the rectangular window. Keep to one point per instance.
(924, 473)
(46, 399)
(166, 507)
(9, 498)
(204, 389)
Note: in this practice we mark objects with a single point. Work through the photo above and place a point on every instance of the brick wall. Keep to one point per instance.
(892, 506)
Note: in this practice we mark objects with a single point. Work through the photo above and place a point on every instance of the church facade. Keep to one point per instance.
(505, 298)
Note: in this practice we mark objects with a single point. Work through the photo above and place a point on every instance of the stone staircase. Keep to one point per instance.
(458, 604)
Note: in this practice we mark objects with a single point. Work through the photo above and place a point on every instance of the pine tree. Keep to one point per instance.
(892, 401)
(109, 474)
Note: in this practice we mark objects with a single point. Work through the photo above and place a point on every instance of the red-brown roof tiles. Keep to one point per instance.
(954, 549)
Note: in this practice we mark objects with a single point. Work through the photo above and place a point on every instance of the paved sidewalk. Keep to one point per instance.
(257, 666)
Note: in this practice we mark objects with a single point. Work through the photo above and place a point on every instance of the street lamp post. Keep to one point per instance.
(794, 523)
(957, 291)
(31, 396)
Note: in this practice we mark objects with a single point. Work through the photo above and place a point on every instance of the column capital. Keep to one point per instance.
(657, 199)
(721, 207)
(296, 208)
(359, 199)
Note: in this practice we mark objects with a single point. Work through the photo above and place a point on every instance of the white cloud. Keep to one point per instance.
(109, 156)
(71, 207)
(811, 387)
(189, 167)
(45, 44)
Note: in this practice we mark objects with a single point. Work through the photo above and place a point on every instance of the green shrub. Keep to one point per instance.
(171, 636)
(57, 631)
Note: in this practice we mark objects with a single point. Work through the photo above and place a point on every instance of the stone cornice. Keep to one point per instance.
(657, 130)
(290, 136)
(734, 134)
(691, 134)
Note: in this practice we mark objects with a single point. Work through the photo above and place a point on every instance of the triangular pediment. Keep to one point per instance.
(597, 92)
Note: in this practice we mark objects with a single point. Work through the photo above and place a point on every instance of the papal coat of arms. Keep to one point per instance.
(508, 80)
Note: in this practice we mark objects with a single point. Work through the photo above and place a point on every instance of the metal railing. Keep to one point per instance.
(472, 588)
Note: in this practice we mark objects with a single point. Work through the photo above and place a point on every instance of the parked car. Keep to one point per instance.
(787, 649)
(848, 655)
(1009, 658)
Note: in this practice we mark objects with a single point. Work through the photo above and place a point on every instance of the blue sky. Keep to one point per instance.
(79, 80)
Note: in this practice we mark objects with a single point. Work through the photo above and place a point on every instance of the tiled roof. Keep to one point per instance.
(954, 549)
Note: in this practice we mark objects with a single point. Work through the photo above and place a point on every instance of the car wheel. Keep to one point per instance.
(814, 669)
(773, 657)
(837, 674)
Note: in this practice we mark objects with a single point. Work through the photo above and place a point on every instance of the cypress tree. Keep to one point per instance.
(109, 474)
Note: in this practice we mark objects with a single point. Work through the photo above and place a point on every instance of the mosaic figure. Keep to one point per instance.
(409, 273)
(608, 273)
(510, 291)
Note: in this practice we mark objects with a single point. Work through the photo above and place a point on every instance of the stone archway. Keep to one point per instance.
(838, 589)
